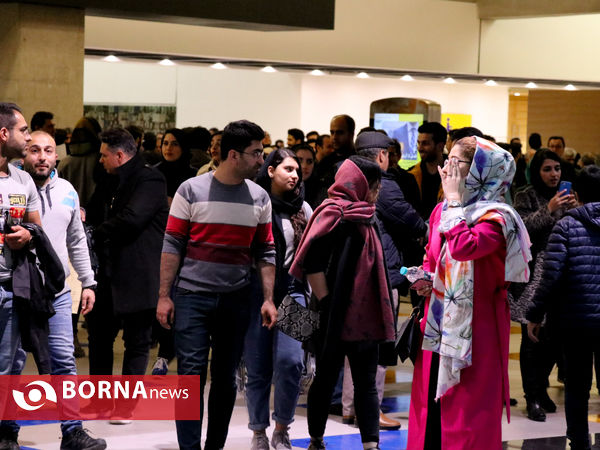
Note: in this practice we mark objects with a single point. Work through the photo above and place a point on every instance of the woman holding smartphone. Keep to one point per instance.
(477, 244)
(540, 205)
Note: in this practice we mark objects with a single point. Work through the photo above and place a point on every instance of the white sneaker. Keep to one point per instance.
(119, 421)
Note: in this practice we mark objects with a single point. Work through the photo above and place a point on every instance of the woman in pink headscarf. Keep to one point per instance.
(477, 244)
(341, 256)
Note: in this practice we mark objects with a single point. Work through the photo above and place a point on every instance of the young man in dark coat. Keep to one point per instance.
(572, 269)
(128, 244)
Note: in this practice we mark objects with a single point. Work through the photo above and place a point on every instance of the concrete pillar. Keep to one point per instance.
(41, 60)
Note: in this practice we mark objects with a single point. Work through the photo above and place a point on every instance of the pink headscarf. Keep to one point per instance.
(347, 201)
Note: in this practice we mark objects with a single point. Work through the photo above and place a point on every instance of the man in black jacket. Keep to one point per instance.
(128, 244)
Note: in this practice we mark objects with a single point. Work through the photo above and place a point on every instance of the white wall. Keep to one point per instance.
(562, 47)
(216, 97)
(423, 35)
(128, 83)
(324, 97)
(278, 101)
(428, 35)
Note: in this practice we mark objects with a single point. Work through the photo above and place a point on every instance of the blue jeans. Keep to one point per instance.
(204, 320)
(271, 355)
(62, 359)
(10, 339)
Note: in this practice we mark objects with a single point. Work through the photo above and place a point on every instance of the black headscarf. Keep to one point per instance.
(291, 204)
(176, 172)
(534, 171)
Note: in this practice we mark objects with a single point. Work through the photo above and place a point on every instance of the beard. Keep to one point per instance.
(12, 151)
(39, 176)
(429, 156)
(36, 174)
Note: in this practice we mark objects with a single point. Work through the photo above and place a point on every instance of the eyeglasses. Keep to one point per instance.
(455, 159)
(255, 154)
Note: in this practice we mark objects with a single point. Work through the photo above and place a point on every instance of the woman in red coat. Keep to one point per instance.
(477, 244)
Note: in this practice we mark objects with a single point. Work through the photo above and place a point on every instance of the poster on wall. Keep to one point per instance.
(156, 119)
(404, 128)
(455, 121)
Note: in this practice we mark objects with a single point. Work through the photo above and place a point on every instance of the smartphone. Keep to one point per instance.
(565, 185)
(421, 284)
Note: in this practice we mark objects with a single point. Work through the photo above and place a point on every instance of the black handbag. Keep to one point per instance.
(295, 320)
(408, 338)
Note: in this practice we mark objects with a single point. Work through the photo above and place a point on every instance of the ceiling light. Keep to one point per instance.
(570, 87)
(362, 75)
(268, 69)
(317, 73)
(490, 83)
(531, 85)
(111, 58)
(449, 80)
(517, 94)
(166, 62)
(219, 66)
(406, 77)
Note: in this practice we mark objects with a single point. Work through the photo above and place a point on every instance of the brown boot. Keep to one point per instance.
(385, 423)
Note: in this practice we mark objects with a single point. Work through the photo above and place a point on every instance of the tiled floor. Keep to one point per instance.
(521, 433)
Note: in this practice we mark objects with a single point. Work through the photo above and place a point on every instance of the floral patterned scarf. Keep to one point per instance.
(448, 330)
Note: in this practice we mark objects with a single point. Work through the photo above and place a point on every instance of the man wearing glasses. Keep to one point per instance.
(219, 224)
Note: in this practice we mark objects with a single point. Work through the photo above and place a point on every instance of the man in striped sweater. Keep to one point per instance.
(219, 224)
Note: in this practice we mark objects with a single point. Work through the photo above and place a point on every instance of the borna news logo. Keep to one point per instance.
(35, 396)
(97, 397)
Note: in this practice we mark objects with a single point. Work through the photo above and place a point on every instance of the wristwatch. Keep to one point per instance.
(454, 204)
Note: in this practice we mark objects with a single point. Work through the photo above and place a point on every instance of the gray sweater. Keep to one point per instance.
(61, 220)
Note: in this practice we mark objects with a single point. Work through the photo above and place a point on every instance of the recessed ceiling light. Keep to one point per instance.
(219, 66)
(406, 77)
(517, 94)
(570, 87)
(166, 62)
(531, 85)
(111, 58)
(269, 69)
(491, 83)
(317, 73)
(449, 80)
(362, 75)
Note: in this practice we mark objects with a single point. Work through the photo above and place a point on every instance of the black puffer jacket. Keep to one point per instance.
(399, 223)
(571, 271)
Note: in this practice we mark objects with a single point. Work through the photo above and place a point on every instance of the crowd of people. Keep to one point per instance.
(192, 239)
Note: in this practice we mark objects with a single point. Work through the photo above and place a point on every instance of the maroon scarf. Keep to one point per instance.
(370, 293)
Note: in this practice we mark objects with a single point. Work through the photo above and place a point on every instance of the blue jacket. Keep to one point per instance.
(571, 271)
(398, 223)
